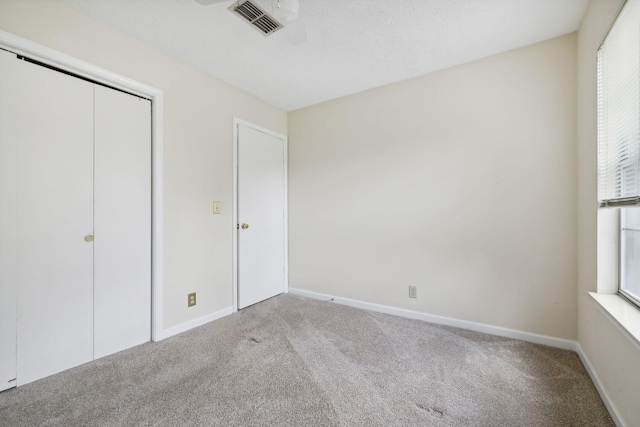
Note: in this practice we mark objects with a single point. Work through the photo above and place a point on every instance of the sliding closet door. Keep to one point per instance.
(122, 221)
(49, 126)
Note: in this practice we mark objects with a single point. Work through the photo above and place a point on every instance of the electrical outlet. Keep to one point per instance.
(191, 299)
(216, 208)
(413, 292)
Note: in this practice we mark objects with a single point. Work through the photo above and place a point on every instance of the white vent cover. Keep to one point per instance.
(250, 12)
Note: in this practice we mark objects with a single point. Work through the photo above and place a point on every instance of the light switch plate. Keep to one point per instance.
(216, 208)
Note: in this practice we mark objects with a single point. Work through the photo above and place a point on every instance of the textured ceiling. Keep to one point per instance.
(352, 45)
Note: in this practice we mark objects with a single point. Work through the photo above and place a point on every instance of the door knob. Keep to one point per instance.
(89, 238)
(244, 226)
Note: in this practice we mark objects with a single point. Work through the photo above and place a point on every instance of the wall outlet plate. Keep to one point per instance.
(413, 292)
(191, 299)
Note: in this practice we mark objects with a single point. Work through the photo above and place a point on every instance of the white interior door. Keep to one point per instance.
(47, 123)
(122, 261)
(261, 210)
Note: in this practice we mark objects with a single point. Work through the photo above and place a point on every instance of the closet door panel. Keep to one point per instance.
(122, 221)
(51, 123)
(8, 223)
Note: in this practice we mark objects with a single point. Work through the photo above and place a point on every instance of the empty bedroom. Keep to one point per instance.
(319, 212)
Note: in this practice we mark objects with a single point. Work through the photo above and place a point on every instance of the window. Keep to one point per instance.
(619, 139)
(630, 253)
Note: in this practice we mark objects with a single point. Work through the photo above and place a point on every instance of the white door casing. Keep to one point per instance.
(261, 205)
(122, 221)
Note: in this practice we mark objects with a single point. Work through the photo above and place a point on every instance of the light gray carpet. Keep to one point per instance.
(295, 361)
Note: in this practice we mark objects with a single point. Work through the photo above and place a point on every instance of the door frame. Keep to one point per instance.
(48, 56)
(237, 122)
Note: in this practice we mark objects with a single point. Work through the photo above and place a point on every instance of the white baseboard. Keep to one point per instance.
(183, 327)
(441, 320)
(613, 411)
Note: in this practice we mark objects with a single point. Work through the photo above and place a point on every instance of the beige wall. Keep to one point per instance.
(461, 182)
(199, 113)
(615, 359)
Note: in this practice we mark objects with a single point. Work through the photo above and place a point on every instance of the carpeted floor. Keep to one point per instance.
(292, 361)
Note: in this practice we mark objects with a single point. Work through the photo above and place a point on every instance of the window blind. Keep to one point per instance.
(619, 111)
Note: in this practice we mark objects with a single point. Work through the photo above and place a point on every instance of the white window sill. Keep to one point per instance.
(625, 315)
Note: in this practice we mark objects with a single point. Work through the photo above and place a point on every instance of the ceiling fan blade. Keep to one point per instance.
(297, 31)
(209, 2)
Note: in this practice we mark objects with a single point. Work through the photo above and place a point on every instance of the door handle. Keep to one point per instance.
(244, 226)
(89, 238)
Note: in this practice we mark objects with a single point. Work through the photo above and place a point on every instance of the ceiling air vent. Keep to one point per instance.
(250, 12)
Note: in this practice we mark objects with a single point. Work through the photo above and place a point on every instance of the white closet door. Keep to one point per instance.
(8, 223)
(47, 118)
(122, 221)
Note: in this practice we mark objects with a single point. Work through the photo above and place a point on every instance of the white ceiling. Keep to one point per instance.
(352, 45)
